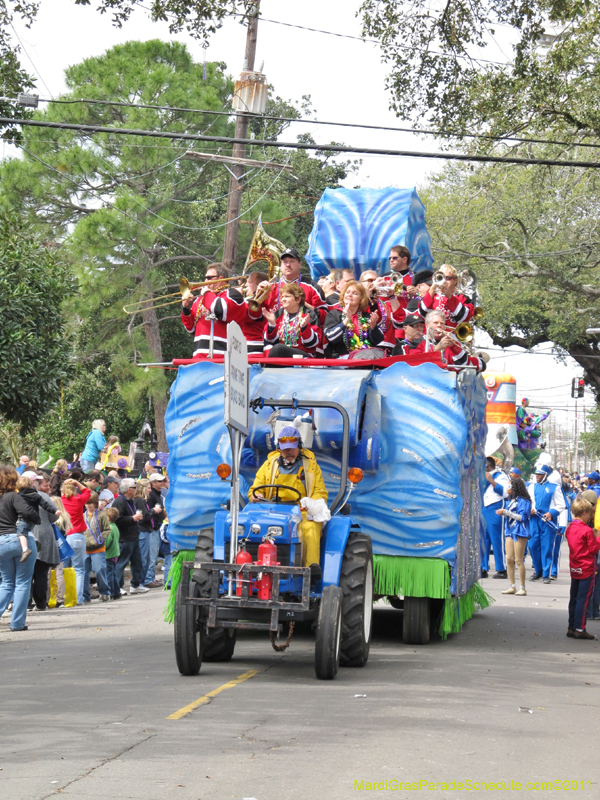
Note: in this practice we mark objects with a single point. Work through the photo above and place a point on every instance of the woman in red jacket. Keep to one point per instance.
(74, 496)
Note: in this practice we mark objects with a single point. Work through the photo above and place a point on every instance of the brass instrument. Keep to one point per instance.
(439, 279)
(264, 248)
(185, 292)
(464, 332)
(477, 314)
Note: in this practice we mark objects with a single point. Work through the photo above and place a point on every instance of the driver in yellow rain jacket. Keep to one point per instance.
(292, 465)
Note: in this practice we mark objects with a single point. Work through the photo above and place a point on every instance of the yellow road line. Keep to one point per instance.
(207, 697)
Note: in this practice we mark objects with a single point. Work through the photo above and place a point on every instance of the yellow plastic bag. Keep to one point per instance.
(53, 588)
(70, 587)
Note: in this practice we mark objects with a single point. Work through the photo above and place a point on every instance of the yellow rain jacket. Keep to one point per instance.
(309, 482)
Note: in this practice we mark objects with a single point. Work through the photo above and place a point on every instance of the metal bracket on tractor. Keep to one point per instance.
(233, 612)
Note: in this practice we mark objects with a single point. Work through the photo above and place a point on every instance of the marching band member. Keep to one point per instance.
(400, 263)
(438, 340)
(390, 310)
(493, 501)
(547, 504)
(352, 330)
(444, 298)
(290, 273)
(414, 328)
(223, 304)
(289, 331)
(254, 324)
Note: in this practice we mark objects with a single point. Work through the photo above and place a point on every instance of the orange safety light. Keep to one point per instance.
(355, 475)
(223, 471)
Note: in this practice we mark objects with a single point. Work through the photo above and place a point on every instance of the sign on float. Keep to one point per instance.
(236, 379)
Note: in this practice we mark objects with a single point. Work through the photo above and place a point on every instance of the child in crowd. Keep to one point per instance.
(112, 553)
(583, 546)
(110, 453)
(32, 497)
(63, 523)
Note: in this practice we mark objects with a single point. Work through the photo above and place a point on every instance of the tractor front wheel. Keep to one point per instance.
(356, 583)
(188, 635)
(329, 634)
(416, 621)
(218, 643)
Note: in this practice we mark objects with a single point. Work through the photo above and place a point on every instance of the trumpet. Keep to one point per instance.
(186, 290)
(439, 279)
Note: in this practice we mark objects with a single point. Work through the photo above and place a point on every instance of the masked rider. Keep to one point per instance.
(293, 465)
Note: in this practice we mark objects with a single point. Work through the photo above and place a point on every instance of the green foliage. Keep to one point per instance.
(591, 439)
(34, 346)
(433, 56)
(13, 78)
(92, 394)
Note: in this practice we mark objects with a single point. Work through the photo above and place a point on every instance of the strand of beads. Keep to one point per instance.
(291, 329)
(357, 332)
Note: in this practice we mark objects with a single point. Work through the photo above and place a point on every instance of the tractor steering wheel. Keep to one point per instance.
(276, 487)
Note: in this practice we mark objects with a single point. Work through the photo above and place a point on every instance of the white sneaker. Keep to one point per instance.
(123, 592)
(138, 590)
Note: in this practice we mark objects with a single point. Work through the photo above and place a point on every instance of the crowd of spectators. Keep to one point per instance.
(79, 528)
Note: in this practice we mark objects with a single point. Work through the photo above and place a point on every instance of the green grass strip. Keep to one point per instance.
(457, 610)
(411, 577)
(175, 577)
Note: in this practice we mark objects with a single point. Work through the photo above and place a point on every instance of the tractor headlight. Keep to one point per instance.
(255, 528)
(240, 530)
(274, 530)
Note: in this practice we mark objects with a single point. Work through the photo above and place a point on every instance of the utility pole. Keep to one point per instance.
(234, 201)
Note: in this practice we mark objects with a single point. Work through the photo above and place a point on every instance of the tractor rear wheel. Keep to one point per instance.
(218, 643)
(188, 635)
(356, 583)
(329, 633)
(416, 624)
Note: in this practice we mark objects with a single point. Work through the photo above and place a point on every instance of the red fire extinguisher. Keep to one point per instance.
(267, 556)
(242, 557)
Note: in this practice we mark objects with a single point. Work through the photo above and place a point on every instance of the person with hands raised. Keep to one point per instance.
(290, 331)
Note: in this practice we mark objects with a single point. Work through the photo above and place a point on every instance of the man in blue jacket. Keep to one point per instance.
(493, 500)
(546, 504)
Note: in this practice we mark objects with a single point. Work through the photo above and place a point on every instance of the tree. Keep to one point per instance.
(532, 237)
(591, 439)
(132, 215)
(34, 345)
(438, 69)
(13, 78)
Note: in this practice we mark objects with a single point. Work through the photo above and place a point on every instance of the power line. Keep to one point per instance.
(196, 137)
(378, 41)
(305, 121)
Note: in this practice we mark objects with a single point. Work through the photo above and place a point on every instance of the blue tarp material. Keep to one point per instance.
(355, 229)
(423, 499)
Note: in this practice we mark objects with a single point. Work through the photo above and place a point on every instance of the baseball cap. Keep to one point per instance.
(156, 476)
(412, 319)
(595, 476)
(32, 475)
(110, 479)
(289, 432)
(589, 495)
(291, 251)
(516, 470)
(424, 276)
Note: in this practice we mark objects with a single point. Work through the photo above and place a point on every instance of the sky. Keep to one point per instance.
(346, 82)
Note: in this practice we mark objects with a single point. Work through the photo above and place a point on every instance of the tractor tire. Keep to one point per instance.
(188, 635)
(218, 643)
(356, 583)
(416, 620)
(329, 634)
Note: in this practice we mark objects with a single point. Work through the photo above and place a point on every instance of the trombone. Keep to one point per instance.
(186, 290)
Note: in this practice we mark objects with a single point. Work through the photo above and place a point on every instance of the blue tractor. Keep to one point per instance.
(266, 586)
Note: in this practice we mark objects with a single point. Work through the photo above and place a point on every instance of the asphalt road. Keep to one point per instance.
(87, 692)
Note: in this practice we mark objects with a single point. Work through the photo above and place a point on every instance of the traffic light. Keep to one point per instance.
(577, 387)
